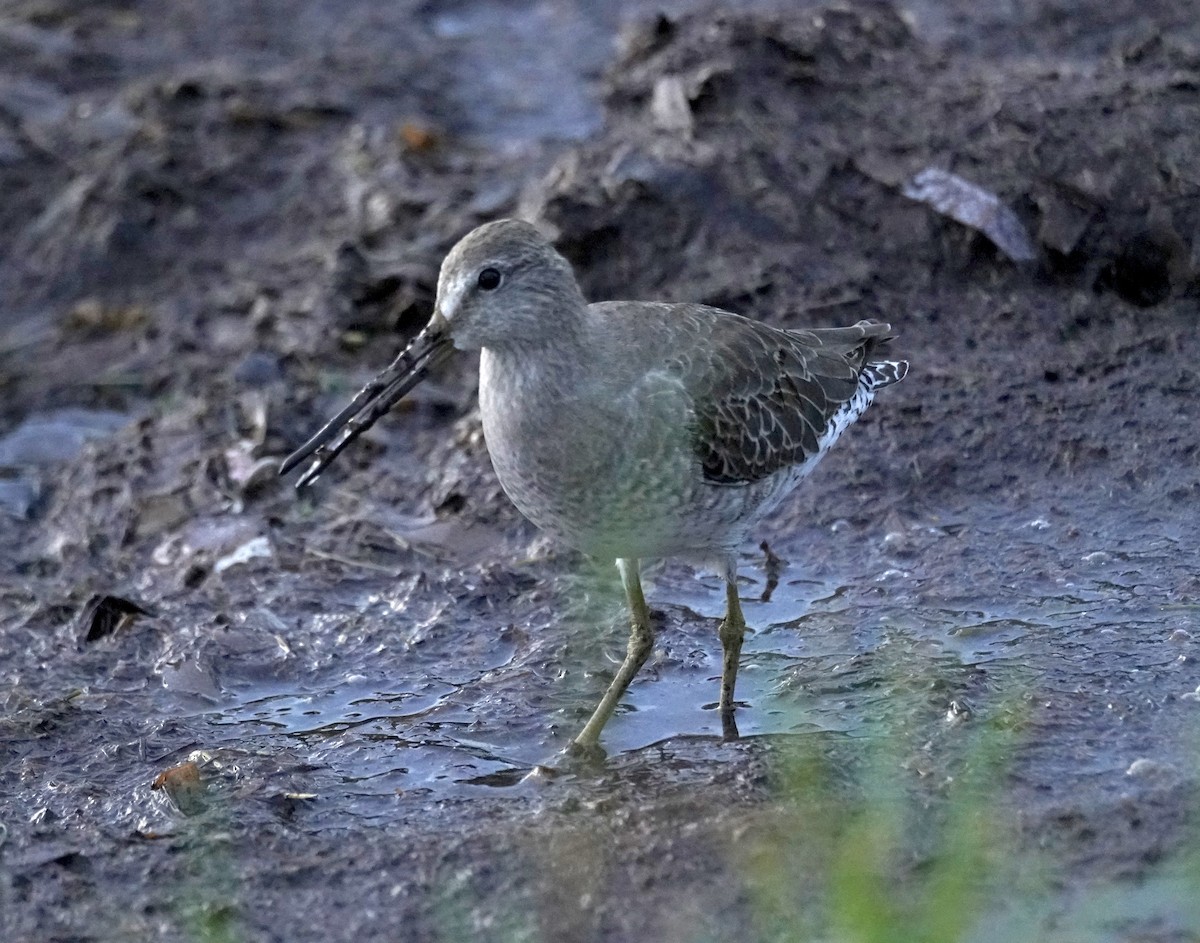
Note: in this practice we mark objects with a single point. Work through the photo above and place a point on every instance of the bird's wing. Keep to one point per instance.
(762, 397)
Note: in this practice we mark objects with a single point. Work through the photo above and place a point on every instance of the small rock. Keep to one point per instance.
(56, 436)
(1144, 767)
(18, 496)
(669, 106)
(258, 368)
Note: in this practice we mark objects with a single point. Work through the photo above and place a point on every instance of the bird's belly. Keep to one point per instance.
(606, 503)
(589, 474)
(614, 482)
(575, 489)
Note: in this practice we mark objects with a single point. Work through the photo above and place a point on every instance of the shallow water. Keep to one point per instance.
(409, 698)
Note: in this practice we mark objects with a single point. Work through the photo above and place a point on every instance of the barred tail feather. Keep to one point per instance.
(881, 373)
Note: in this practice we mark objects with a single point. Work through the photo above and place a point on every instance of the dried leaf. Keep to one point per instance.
(183, 786)
(418, 138)
(973, 206)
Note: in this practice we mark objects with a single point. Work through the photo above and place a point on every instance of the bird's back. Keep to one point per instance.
(684, 428)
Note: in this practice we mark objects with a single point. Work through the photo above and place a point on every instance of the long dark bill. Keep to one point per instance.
(427, 349)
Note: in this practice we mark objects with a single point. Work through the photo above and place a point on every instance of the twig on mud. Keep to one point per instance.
(347, 561)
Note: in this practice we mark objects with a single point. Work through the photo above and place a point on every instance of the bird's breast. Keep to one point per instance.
(538, 441)
(606, 467)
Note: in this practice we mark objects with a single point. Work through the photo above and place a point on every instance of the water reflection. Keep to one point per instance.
(459, 701)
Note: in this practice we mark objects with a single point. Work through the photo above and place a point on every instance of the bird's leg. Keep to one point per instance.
(731, 633)
(641, 641)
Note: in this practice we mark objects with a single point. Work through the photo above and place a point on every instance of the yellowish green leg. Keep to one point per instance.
(641, 642)
(731, 633)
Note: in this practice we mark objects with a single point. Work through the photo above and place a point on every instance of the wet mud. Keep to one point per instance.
(229, 711)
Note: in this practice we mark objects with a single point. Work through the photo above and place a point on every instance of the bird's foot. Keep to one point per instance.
(729, 728)
(585, 754)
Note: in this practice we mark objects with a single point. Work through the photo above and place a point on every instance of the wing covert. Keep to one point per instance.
(763, 397)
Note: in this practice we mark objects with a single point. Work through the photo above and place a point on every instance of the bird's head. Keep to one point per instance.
(504, 286)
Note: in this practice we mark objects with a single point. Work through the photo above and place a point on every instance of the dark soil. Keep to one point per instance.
(217, 220)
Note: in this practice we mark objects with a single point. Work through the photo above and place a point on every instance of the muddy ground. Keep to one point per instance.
(217, 220)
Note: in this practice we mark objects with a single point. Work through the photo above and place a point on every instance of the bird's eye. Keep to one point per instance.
(489, 279)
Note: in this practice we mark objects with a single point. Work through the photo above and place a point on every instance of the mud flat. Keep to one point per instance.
(235, 713)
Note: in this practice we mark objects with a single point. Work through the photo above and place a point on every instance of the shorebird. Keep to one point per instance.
(629, 429)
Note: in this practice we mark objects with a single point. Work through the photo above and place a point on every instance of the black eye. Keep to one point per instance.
(489, 279)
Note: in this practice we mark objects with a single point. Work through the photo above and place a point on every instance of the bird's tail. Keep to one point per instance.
(859, 344)
(881, 373)
(877, 374)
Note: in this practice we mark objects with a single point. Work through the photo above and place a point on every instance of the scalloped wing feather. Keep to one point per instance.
(764, 398)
